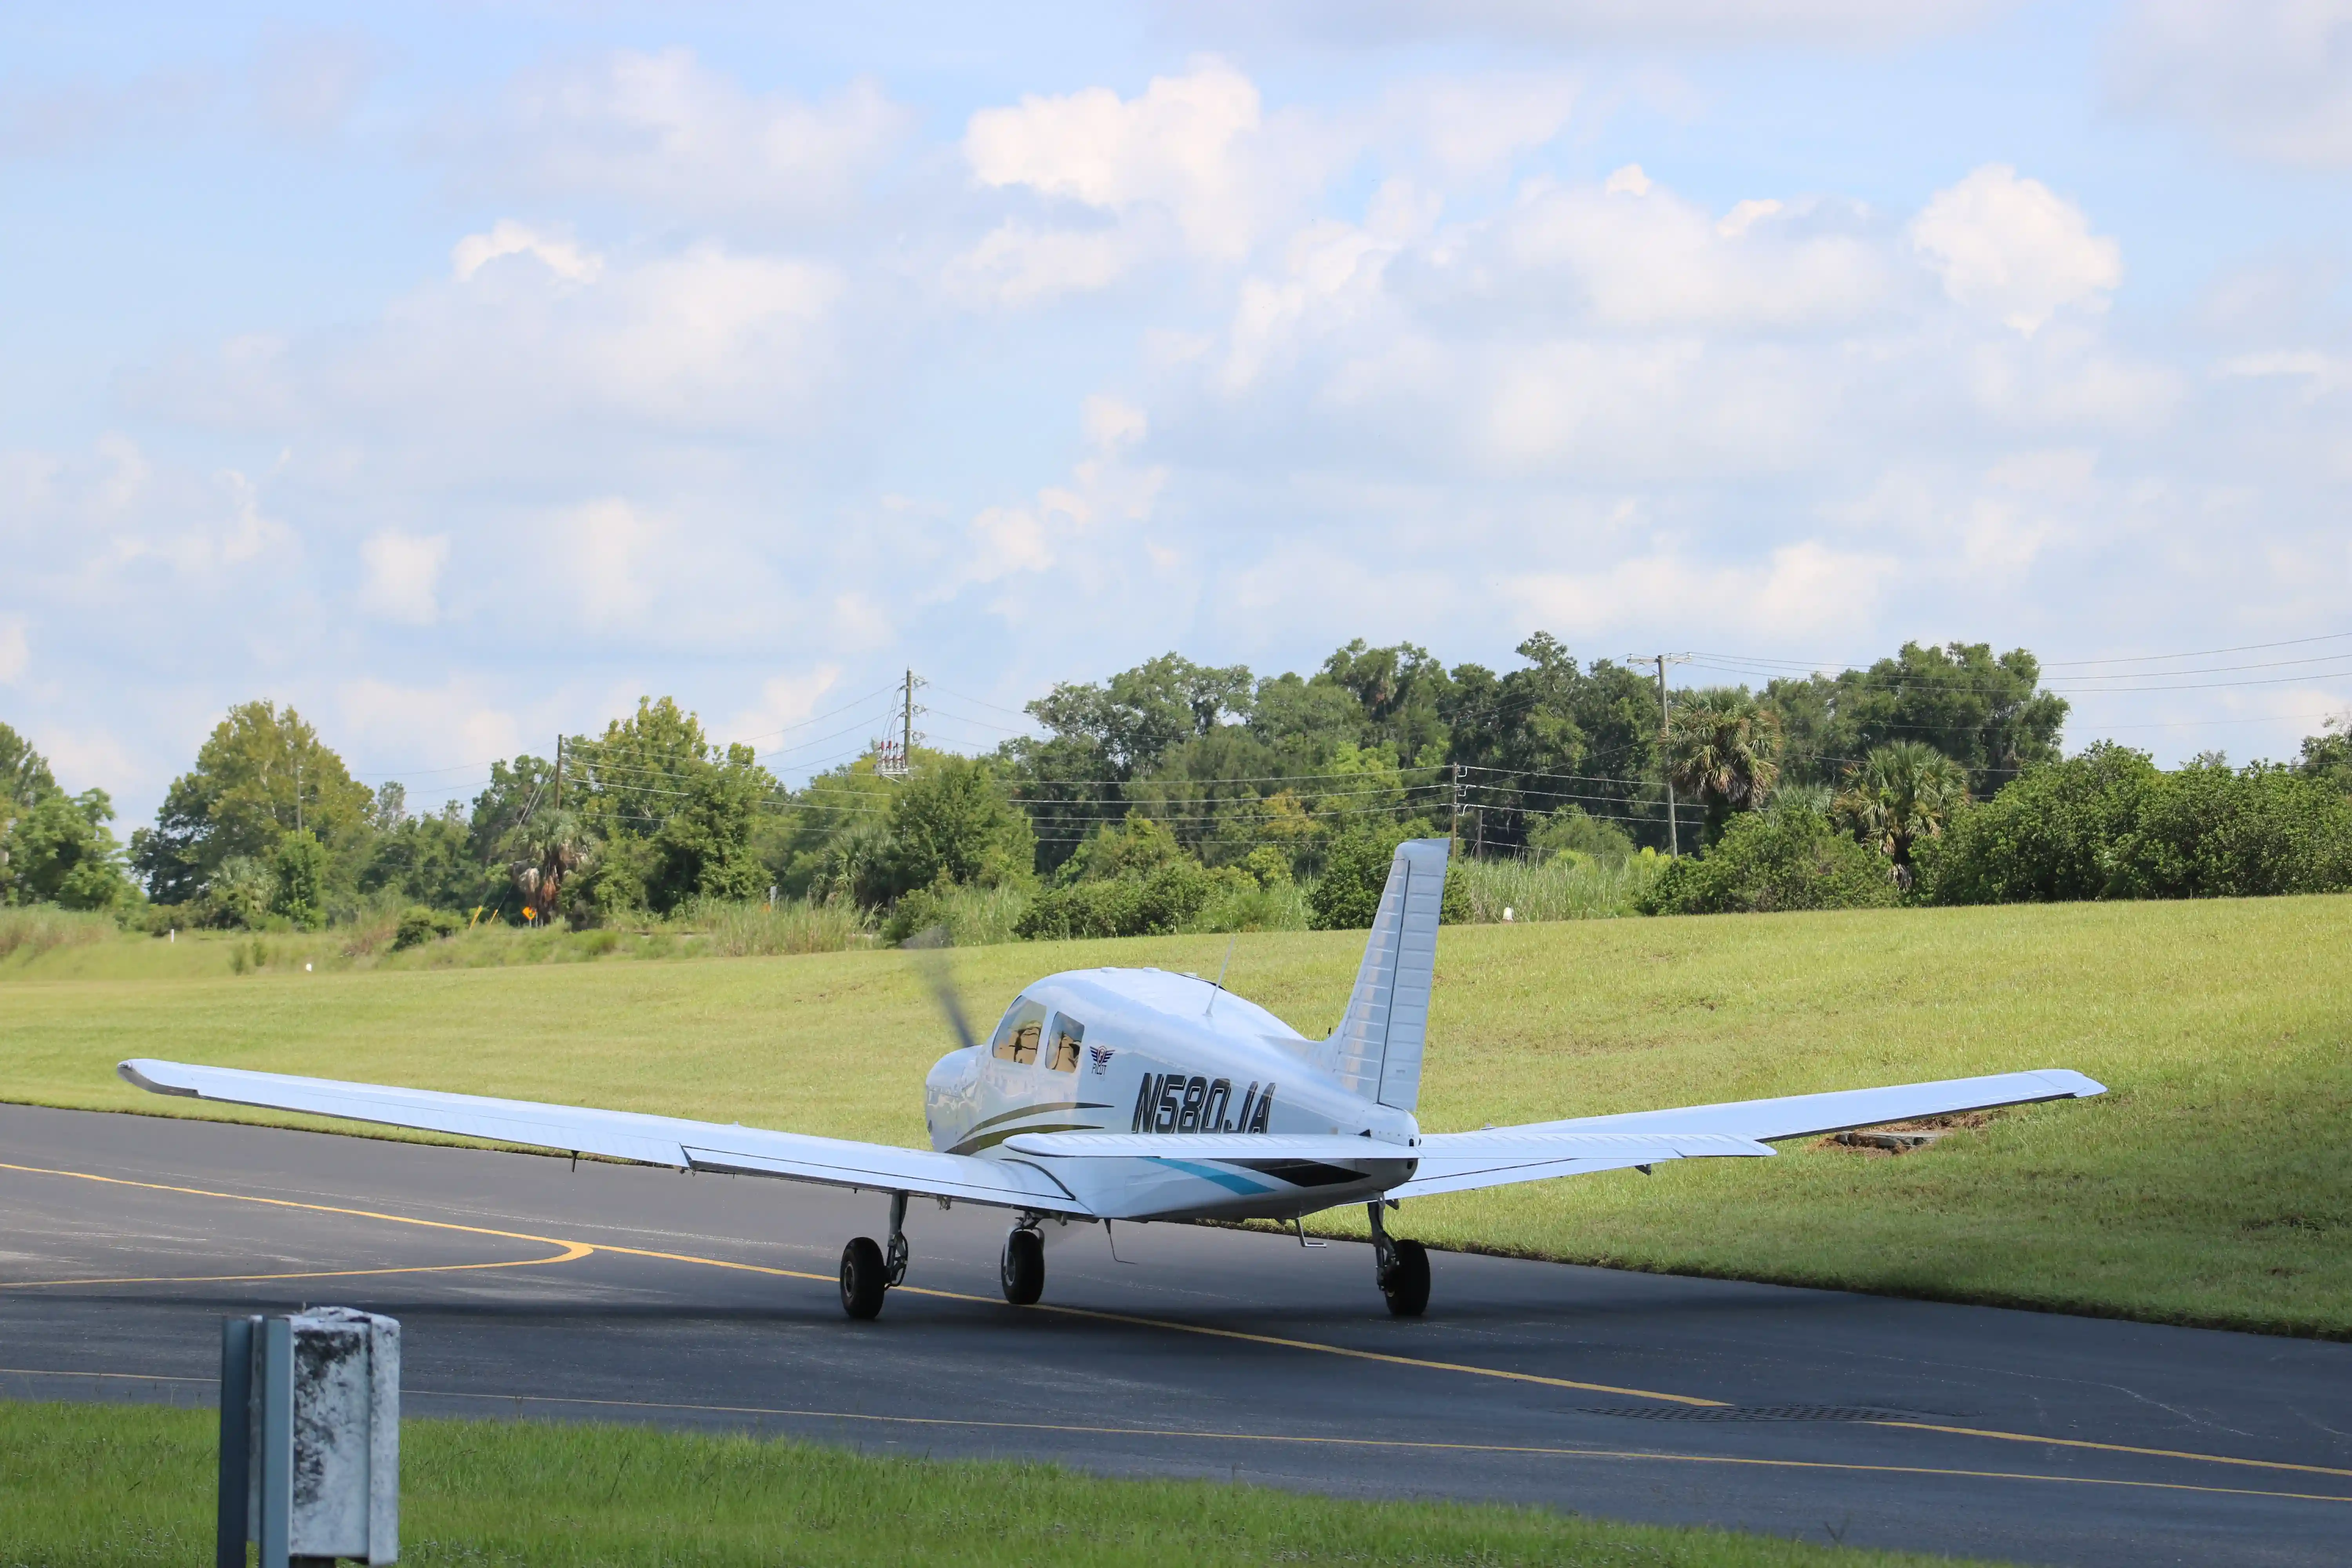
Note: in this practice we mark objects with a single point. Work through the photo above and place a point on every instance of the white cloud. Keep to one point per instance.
(507, 238)
(2015, 249)
(385, 725)
(606, 550)
(1577, 24)
(2319, 372)
(1034, 536)
(664, 130)
(2271, 78)
(785, 701)
(1801, 588)
(15, 651)
(1197, 148)
(403, 576)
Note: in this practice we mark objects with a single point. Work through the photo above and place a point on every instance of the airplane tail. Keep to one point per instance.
(1376, 1050)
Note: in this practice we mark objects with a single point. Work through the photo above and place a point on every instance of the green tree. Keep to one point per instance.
(543, 851)
(25, 775)
(2328, 754)
(302, 879)
(953, 823)
(60, 852)
(671, 815)
(1987, 713)
(1355, 873)
(260, 775)
(1904, 792)
(1552, 734)
(1724, 750)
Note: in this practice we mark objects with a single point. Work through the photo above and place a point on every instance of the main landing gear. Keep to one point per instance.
(867, 1271)
(1022, 1268)
(1401, 1267)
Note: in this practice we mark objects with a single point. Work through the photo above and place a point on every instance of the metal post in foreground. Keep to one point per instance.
(310, 1463)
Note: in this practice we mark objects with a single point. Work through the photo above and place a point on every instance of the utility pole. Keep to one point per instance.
(1674, 829)
(1454, 825)
(894, 757)
(559, 772)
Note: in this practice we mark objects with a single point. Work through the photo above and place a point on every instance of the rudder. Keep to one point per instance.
(1377, 1048)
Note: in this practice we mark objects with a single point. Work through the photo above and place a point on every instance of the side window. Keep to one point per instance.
(1017, 1037)
(1068, 1036)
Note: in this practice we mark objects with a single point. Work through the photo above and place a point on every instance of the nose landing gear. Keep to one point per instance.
(1401, 1267)
(1022, 1268)
(867, 1272)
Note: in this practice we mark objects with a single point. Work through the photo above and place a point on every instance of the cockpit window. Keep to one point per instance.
(1017, 1037)
(1068, 1036)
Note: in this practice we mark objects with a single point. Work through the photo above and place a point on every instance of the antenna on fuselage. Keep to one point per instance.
(1228, 963)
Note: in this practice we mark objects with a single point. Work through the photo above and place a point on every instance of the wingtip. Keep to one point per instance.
(131, 1073)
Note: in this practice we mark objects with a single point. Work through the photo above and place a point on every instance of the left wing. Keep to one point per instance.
(1457, 1161)
(626, 1135)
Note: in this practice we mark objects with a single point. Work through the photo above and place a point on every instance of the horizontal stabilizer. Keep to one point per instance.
(623, 1135)
(1491, 1148)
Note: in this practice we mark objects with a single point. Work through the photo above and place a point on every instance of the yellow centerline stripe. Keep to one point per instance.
(572, 1252)
(1531, 1449)
(575, 1250)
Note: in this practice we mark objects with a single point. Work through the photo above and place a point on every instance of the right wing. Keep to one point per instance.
(626, 1135)
(1459, 1162)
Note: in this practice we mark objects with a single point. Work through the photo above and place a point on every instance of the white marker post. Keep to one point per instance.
(310, 1463)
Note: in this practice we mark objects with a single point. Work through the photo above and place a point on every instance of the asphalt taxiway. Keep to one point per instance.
(530, 1289)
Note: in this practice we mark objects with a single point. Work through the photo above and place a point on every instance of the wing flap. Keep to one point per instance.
(623, 1135)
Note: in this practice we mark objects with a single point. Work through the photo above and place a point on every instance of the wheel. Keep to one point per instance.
(862, 1279)
(1406, 1283)
(1023, 1267)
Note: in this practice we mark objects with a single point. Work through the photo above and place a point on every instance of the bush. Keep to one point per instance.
(1356, 869)
(1571, 831)
(2109, 824)
(1160, 902)
(1773, 860)
(419, 925)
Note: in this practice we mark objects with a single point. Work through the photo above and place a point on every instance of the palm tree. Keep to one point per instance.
(543, 849)
(1902, 793)
(1726, 751)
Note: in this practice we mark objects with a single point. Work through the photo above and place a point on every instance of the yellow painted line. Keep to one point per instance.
(572, 1252)
(1532, 1451)
(124, 1376)
(577, 1249)
(2114, 1448)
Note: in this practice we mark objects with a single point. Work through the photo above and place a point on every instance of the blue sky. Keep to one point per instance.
(457, 373)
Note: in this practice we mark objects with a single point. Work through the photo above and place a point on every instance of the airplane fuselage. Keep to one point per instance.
(1145, 1051)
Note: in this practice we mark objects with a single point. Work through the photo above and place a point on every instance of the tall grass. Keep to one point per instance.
(1558, 889)
(755, 930)
(43, 927)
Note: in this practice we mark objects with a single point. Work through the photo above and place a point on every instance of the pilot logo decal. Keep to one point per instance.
(1171, 1102)
(1101, 1054)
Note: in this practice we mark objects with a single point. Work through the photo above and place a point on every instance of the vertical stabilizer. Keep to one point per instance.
(1376, 1050)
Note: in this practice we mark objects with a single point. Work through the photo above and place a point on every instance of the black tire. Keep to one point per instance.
(1023, 1267)
(862, 1285)
(1406, 1286)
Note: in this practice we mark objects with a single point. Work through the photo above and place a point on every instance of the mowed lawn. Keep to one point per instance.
(2212, 1185)
(96, 1486)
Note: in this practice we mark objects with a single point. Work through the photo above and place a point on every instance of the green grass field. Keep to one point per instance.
(90, 1485)
(2213, 1185)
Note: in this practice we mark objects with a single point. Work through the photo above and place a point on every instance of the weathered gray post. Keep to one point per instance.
(309, 1438)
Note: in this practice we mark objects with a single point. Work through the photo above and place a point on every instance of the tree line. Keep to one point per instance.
(1933, 775)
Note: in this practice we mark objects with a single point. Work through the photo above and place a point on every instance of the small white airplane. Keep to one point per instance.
(1136, 1094)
